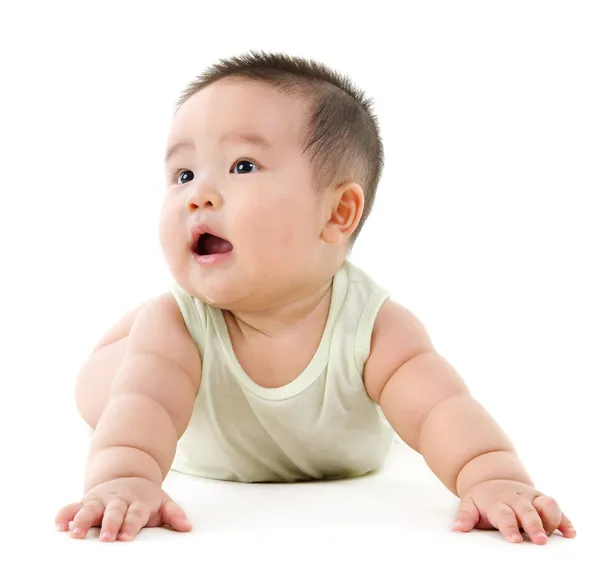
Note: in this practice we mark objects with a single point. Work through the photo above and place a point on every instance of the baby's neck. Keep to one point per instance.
(284, 320)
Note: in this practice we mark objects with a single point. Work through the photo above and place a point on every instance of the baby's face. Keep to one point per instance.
(257, 197)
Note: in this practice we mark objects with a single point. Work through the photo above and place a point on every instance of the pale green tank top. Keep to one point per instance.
(321, 425)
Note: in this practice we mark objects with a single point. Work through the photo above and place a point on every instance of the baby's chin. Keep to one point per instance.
(243, 299)
(219, 302)
(235, 287)
(225, 297)
(217, 299)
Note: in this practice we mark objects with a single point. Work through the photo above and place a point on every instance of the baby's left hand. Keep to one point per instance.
(507, 505)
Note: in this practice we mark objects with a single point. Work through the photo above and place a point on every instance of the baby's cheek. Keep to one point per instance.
(262, 238)
(282, 235)
(170, 237)
(269, 229)
(165, 234)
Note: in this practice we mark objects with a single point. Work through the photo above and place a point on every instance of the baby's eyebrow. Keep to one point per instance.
(175, 148)
(233, 137)
(252, 138)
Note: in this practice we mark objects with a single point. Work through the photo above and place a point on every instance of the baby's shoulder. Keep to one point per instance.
(398, 335)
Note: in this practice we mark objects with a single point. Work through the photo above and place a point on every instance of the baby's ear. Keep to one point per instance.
(345, 208)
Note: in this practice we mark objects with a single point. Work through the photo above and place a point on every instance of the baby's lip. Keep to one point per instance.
(199, 229)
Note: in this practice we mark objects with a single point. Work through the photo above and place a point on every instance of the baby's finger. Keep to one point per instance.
(566, 527)
(88, 516)
(549, 511)
(137, 516)
(530, 521)
(503, 518)
(66, 515)
(467, 516)
(174, 516)
(113, 519)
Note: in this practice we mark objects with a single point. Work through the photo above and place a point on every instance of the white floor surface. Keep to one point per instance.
(399, 519)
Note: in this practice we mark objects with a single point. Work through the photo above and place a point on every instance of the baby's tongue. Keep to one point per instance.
(215, 245)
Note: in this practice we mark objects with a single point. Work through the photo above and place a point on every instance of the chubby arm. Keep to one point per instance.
(151, 399)
(430, 407)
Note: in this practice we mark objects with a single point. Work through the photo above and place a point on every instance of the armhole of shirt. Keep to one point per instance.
(364, 331)
(363, 344)
(191, 315)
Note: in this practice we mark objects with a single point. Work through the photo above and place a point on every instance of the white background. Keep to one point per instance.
(485, 226)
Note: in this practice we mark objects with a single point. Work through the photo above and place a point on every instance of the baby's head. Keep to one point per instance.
(279, 157)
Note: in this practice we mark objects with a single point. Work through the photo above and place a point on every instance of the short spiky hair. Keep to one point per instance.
(342, 133)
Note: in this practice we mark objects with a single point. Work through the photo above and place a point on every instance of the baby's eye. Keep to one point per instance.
(185, 176)
(245, 169)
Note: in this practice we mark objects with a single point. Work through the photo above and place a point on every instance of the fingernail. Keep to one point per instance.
(124, 536)
(105, 536)
(542, 536)
(459, 524)
(516, 537)
(77, 531)
(61, 526)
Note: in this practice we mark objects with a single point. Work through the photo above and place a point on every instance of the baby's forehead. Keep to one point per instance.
(225, 131)
(241, 105)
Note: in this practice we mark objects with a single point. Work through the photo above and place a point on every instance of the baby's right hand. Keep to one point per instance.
(122, 507)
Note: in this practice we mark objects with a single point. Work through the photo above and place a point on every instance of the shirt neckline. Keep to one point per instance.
(315, 366)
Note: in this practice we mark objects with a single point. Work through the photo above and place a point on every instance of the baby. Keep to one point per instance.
(273, 358)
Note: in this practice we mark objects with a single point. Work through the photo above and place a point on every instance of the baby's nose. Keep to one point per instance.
(204, 197)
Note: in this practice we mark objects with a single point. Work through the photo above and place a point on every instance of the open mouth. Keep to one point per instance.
(208, 244)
